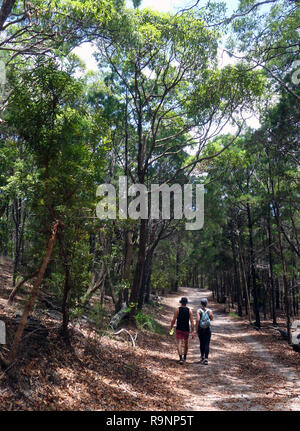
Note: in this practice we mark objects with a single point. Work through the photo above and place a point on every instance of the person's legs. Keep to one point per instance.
(186, 348)
(182, 339)
(206, 344)
(179, 341)
(208, 336)
(179, 346)
(202, 345)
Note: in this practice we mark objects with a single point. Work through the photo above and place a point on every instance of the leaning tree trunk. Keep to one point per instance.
(30, 303)
(18, 286)
(97, 281)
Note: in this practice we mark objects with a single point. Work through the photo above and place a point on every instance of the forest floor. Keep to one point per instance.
(248, 370)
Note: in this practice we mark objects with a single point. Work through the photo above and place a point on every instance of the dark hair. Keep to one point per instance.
(183, 300)
(204, 302)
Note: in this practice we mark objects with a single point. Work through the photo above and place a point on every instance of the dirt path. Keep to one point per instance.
(241, 374)
(244, 371)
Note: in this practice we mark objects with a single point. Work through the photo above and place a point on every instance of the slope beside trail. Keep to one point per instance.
(242, 373)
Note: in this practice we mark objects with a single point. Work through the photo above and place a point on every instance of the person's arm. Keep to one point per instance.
(211, 315)
(192, 322)
(174, 318)
(197, 319)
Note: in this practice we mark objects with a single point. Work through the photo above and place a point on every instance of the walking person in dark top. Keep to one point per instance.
(183, 315)
(204, 317)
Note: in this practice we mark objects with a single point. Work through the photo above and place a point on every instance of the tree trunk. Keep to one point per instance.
(146, 278)
(65, 308)
(285, 280)
(236, 277)
(123, 294)
(138, 276)
(5, 11)
(17, 218)
(18, 286)
(245, 281)
(94, 286)
(253, 272)
(148, 282)
(30, 303)
(177, 265)
(271, 276)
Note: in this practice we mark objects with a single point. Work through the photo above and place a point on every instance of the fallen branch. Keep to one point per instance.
(133, 340)
(115, 321)
(284, 334)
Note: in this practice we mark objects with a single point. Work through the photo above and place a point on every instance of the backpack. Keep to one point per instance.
(204, 319)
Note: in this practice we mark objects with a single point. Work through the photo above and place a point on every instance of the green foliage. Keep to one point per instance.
(157, 103)
(148, 322)
(97, 315)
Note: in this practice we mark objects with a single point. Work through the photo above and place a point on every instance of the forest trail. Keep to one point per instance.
(241, 375)
(245, 371)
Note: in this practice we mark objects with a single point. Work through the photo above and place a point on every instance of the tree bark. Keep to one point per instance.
(30, 303)
(65, 308)
(18, 286)
(146, 278)
(5, 11)
(245, 281)
(138, 276)
(271, 276)
(94, 286)
(285, 280)
(253, 272)
(236, 276)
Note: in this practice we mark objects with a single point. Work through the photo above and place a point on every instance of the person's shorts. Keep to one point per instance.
(182, 335)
